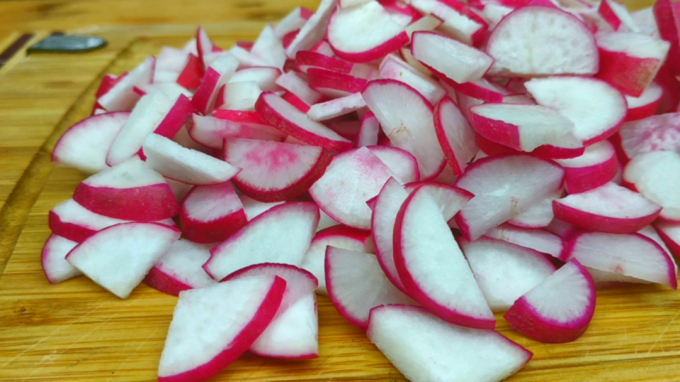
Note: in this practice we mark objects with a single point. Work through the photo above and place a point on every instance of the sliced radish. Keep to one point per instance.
(211, 131)
(655, 133)
(185, 165)
(241, 95)
(314, 29)
(597, 166)
(616, 15)
(356, 284)
(121, 96)
(210, 214)
(539, 215)
(216, 75)
(670, 234)
(280, 235)
(425, 23)
(254, 208)
(85, 144)
(406, 118)
(191, 74)
(403, 165)
(505, 271)
(308, 59)
(493, 13)
(334, 84)
(632, 255)
(459, 21)
(567, 46)
(482, 89)
(609, 208)
(211, 327)
(129, 191)
(522, 127)
(179, 189)
(295, 101)
(566, 94)
(557, 310)
(450, 199)
(455, 135)
(264, 76)
(293, 332)
(336, 107)
(275, 171)
(425, 348)
(292, 82)
(293, 21)
(285, 117)
(53, 259)
(268, 48)
(645, 105)
(656, 175)
(180, 269)
(504, 186)
(667, 15)
(118, 257)
(460, 62)
(349, 36)
(432, 267)
(536, 239)
(369, 131)
(393, 68)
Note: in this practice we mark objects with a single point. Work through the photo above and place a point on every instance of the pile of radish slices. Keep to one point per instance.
(425, 164)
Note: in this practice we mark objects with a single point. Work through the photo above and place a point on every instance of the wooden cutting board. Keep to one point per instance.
(75, 331)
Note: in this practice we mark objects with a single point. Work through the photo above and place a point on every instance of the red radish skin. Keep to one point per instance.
(297, 102)
(53, 259)
(307, 59)
(530, 316)
(210, 214)
(544, 151)
(334, 84)
(216, 75)
(597, 166)
(121, 96)
(667, 18)
(369, 130)
(644, 106)
(395, 69)
(275, 171)
(670, 234)
(180, 269)
(211, 131)
(482, 90)
(455, 135)
(192, 73)
(616, 15)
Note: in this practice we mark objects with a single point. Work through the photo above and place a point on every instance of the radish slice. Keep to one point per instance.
(74, 222)
(482, 89)
(369, 131)
(432, 267)
(191, 74)
(285, 117)
(461, 63)
(307, 59)
(53, 259)
(337, 236)
(118, 257)
(364, 33)
(121, 96)
(241, 95)
(292, 82)
(666, 15)
(314, 29)
(566, 94)
(505, 271)
(210, 214)
(280, 235)
(504, 186)
(185, 165)
(254, 208)
(268, 48)
(211, 131)
(264, 76)
(234, 314)
(336, 107)
(392, 68)
(567, 46)
(350, 180)
(334, 84)
(216, 75)
(129, 191)
(455, 136)
(609, 208)
(539, 215)
(597, 166)
(645, 105)
(632, 255)
(536, 239)
(425, 348)
(275, 171)
(293, 332)
(85, 144)
(629, 61)
(450, 199)
(670, 234)
(459, 21)
(616, 15)
(403, 165)
(655, 133)
(407, 119)
(293, 21)
(656, 176)
(557, 310)
(180, 269)
(356, 284)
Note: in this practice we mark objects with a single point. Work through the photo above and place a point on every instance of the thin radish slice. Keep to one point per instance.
(210, 214)
(655, 133)
(425, 348)
(557, 310)
(455, 136)
(504, 186)
(505, 271)
(180, 269)
(348, 37)
(604, 280)
(295, 101)
(191, 74)
(234, 314)
(609, 208)
(522, 127)
(482, 89)
(294, 84)
(392, 68)
(432, 267)
(106, 84)
(597, 166)
(129, 191)
(211, 131)
(293, 332)
(185, 165)
(403, 165)
(670, 234)
(53, 259)
(308, 59)
(561, 229)
(268, 48)
(293, 21)
(645, 105)
(337, 236)
(449, 58)
(334, 84)
(121, 96)
(656, 175)
(118, 257)
(336, 107)
(241, 95)
(539, 215)
(406, 118)
(566, 94)
(450, 199)
(285, 117)
(369, 129)
(216, 75)
(314, 29)
(632, 255)
(459, 21)
(280, 235)
(425, 23)
(85, 144)
(356, 284)
(204, 45)
(536, 239)
(666, 15)
(264, 76)
(75, 222)
(254, 208)
(275, 171)
(350, 180)
(568, 47)
(616, 15)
